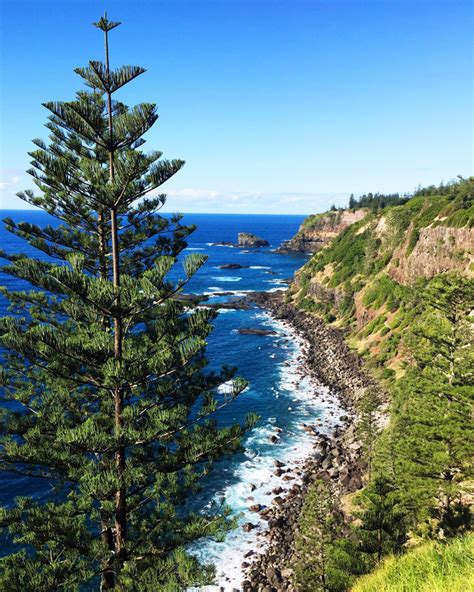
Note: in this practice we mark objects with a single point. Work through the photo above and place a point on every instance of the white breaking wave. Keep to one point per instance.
(256, 475)
(278, 289)
(215, 292)
(227, 278)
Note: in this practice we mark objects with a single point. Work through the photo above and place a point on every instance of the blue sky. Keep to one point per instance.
(276, 106)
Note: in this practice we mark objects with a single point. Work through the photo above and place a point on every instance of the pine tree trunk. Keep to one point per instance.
(102, 245)
(107, 578)
(120, 496)
(108, 575)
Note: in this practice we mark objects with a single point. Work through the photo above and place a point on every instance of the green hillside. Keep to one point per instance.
(366, 278)
(399, 284)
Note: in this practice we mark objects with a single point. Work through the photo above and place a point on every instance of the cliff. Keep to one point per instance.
(398, 285)
(363, 278)
(318, 229)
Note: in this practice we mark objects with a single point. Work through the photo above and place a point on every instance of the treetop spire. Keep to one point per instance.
(105, 25)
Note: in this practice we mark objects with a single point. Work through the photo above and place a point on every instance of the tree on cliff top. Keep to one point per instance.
(106, 399)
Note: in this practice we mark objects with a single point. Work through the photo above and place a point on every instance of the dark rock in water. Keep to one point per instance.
(246, 239)
(256, 332)
(220, 294)
(248, 526)
(233, 303)
(256, 508)
(222, 244)
(191, 298)
(278, 463)
(274, 440)
(232, 266)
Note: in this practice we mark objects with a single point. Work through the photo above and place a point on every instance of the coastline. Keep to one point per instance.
(336, 454)
(280, 473)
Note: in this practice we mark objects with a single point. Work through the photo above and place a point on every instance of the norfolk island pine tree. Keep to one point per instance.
(103, 368)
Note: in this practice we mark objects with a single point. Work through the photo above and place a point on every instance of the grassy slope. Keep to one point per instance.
(317, 221)
(352, 274)
(434, 567)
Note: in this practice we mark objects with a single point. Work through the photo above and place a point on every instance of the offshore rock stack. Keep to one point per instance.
(336, 458)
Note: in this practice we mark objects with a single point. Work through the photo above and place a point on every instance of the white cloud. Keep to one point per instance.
(248, 202)
(12, 181)
(192, 199)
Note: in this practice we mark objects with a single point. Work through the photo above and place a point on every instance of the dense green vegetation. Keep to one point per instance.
(376, 201)
(360, 256)
(106, 397)
(323, 557)
(417, 339)
(433, 567)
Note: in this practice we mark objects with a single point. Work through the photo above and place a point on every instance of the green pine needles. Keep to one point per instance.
(103, 368)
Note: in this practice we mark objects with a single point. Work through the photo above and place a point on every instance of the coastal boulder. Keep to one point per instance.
(246, 239)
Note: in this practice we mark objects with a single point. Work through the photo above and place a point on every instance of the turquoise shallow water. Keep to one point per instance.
(278, 391)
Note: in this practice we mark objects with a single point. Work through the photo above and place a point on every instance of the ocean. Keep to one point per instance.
(278, 390)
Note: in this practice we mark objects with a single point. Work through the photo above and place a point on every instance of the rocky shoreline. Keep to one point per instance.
(336, 457)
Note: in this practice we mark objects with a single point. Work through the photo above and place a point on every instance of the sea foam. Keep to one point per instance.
(255, 477)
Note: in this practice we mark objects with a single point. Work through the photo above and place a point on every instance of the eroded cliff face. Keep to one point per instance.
(318, 230)
(364, 279)
(437, 250)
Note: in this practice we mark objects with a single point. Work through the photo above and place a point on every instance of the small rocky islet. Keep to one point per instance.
(244, 240)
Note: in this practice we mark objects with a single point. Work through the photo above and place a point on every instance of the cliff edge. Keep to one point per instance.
(317, 230)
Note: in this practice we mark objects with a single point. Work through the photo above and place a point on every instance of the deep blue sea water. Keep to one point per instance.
(278, 392)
